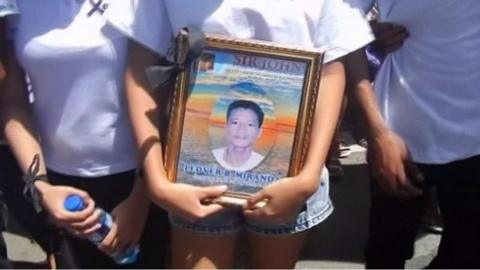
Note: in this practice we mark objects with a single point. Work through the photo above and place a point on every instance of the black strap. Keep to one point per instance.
(29, 191)
(188, 46)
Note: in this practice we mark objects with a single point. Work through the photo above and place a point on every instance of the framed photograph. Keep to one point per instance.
(241, 115)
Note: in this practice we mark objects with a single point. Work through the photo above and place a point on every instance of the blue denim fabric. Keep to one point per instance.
(318, 207)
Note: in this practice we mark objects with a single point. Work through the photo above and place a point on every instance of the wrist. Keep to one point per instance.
(41, 186)
(159, 189)
(381, 139)
(35, 192)
(307, 184)
(35, 183)
(377, 131)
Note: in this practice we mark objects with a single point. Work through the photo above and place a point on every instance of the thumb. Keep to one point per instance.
(256, 199)
(212, 192)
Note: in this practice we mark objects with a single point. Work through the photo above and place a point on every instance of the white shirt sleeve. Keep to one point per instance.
(144, 21)
(8, 7)
(340, 30)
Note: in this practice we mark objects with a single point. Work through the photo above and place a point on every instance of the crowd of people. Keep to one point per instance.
(79, 118)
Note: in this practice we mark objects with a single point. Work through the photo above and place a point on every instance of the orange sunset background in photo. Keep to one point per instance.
(279, 97)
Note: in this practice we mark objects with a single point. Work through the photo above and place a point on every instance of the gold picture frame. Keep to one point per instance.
(211, 132)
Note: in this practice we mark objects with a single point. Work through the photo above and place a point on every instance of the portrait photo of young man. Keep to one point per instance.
(206, 62)
(244, 121)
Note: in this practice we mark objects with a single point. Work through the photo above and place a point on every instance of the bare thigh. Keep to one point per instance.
(202, 251)
(279, 252)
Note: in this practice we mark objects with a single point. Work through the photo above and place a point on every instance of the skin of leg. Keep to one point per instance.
(192, 250)
(274, 251)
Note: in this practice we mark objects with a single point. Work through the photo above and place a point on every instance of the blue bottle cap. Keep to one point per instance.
(73, 203)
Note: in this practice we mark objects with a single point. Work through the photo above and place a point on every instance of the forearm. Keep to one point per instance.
(363, 94)
(370, 112)
(144, 111)
(19, 135)
(138, 193)
(326, 116)
(16, 118)
(22, 141)
(17, 123)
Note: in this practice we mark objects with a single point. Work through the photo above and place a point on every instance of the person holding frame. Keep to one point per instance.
(295, 204)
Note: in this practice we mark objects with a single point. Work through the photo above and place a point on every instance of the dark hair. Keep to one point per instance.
(207, 57)
(246, 104)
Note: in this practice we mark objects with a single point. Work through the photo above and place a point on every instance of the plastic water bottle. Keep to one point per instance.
(75, 203)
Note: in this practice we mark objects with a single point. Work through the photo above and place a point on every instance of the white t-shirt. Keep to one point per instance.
(329, 25)
(8, 7)
(254, 160)
(429, 90)
(76, 63)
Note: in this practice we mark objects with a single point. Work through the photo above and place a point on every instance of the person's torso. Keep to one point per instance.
(331, 26)
(76, 62)
(248, 18)
(429, 89)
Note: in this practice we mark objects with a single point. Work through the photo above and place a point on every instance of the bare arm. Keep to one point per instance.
(329, 102)
(143, 111)
(20, 134)
(359, 81)
(287, 196)
(18, 126)
(387, 153)
(181, 199)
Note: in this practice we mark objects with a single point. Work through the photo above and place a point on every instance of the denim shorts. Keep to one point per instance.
(317, 208)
